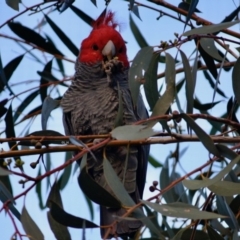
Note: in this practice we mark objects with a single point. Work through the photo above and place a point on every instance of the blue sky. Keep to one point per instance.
(154, 32)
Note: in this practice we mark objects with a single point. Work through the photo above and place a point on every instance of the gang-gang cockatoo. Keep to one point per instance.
(90, 106)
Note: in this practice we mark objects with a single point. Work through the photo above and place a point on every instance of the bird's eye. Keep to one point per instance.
(95, 47)
(120, 50)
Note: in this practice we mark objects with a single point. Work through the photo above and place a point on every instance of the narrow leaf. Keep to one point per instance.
(87, 19)
(208, 45)
(225, 188)
(139, 65)
(182, 210)
(64, 38)
(48, 105)
(99, 195)
(14, 4)
(197, 184)
(29, 226)
(137, 34)
(189, 82)
(236, 81)
(25, 103)
(63, 180)
(191, 11)
(167, 98)
(115, 184)
(223, 208)
(33, 37)
(211, 28)
(132, 132)
(60, 231)
(67, 219)
(202, 135)
(150, 85)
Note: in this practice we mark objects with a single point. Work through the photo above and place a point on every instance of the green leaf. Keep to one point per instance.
(202, 135)
(48, 105)
(191, 10)
(135, 11)
(211, 28)
(6, 195)
(14, 4)
(150, 85)
(212, 83)
(226, 152)
(90, 206)
(4, 172)
(190, 85)
(66, 219)
(29, 226)
(209, 61)
(94, 191)
(223, 208)
(94, 2)
(25, 103)
(121, 193)
(60, 231)
(87, 19)
(63, 180)
(43, 89)
(208, 45)
(5, 179)
(33, 37)
(6, 73)
(38, 191)
(213, 235)
(132, 132)
(140, 63)
(10, 131)
(64, 38)
(137, 34)
(225, 188)
(167, 98)
(115, 184)
(205, 106)
(235, 80)
(182, 210)
(154, 162)
(165, 180)
(232, 15)
(197, 184)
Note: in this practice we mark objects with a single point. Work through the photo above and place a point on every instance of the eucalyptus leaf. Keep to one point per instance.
(139, 65)
(132, 132)
(29, 226)
(208, 44)
(181, 210)
(210, 28)
(235, 80)
(197, 184)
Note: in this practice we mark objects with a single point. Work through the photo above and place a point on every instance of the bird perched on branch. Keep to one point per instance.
(91, 106)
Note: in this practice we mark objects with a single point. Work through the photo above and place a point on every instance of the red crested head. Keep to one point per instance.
(104, 41)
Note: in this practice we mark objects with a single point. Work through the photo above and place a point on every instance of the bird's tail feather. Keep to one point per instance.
(123, 228)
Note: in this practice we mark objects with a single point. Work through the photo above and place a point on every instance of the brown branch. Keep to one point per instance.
(193, 17)
(169, 187)
(24, 11)
(204, 67)
(174, 138)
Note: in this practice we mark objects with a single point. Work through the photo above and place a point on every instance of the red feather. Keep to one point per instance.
(106, 21)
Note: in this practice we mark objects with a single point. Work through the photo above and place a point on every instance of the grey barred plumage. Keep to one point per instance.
(90, 106)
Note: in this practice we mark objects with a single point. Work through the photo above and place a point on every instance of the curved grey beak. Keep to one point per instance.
(109, 50)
